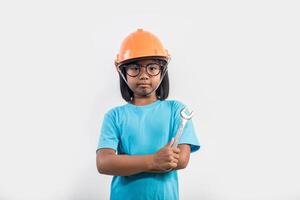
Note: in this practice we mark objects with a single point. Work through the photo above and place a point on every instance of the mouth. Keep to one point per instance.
(143, 85)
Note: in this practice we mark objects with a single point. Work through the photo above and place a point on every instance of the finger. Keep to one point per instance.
(176, 156)
(176, 150)
(173, 165)
(170, 158)
(173, 159)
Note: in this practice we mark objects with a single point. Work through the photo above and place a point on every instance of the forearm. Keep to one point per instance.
(182, 163)
(124, 165)
(184, 157)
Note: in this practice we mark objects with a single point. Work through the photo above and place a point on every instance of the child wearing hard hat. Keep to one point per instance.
(135, 142)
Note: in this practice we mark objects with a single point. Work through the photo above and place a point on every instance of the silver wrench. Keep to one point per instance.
(184, 119)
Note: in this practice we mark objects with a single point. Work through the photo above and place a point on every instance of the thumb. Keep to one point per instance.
(171, 142)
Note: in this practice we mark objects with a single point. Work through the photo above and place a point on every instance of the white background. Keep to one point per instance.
(235, 63)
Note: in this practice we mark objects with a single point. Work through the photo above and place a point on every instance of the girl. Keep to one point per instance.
(135, 143)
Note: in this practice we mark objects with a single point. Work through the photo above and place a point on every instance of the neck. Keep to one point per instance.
(140, 101)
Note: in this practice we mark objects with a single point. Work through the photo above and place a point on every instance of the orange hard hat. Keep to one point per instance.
(140, 44)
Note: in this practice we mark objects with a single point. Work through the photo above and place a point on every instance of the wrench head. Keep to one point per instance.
(186, 116)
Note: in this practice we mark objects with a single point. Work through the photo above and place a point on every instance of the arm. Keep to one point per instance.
(125, 165)
(184, 156)
(121, 165)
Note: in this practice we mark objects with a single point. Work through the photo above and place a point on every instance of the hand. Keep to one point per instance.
(166, 158)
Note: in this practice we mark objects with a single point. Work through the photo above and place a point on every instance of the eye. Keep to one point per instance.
(153, 67)
(133, 67)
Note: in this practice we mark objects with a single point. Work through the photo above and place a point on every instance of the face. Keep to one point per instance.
(147, 79)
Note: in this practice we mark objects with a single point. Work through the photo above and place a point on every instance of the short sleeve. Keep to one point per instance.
(189, 135)
(109, 134)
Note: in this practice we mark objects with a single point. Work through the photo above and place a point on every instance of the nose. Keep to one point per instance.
(143, 73)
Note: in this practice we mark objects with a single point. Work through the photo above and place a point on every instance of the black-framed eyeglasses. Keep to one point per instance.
(134, 69)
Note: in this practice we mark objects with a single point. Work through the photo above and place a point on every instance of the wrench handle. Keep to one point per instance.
(179, 133)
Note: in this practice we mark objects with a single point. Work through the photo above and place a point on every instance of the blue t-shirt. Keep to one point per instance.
(142, 130)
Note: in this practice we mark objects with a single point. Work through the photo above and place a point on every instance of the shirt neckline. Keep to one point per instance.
(147, 106)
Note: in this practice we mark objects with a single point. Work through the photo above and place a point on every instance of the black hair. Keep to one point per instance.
(162, 91)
